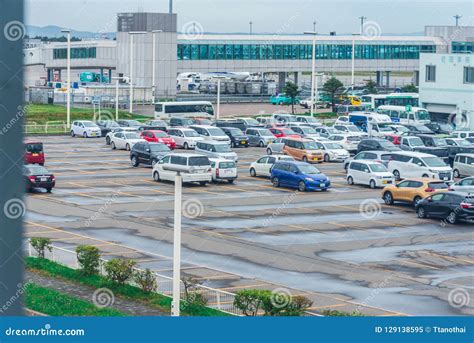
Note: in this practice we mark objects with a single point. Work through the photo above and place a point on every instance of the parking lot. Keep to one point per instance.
(343, 248)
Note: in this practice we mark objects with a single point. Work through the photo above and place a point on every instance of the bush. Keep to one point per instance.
(297, 306)
(146, 280)
(119, 270)
(41, 245)
(250, 301)
(335, 313)
(88, 258)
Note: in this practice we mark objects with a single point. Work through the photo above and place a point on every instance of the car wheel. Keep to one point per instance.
(388, 198)
(156, 176)
(186, 146)
(425, 175)
(276, 182)
(301, 186)
(73, 134)
(326, 158)
(232, 144)
(396, 173)
(202, 183)
(305, 159)
(456, 174)
(253, 173)
(107, 140)
(113, 146)
(127, 147)
(350, 180)
(84, 134)
(261, 144)
(452, 218)
(134, 161)
(49, 190)
(230, 181)
(421, 212)
(416, 200)
(153, 162)
(372, 184)
(269, 151)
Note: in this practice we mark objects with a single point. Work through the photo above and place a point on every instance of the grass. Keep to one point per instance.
(41, 114)
(156, 300)
(54, 303)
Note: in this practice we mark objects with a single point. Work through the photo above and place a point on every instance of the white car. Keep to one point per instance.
(85, 128)
(409, 164)
(332, 151)
(125, 140)
(463, 165)
(223, 170)
(305, 131)
(109, 135)
(216, 150)
(342, 120)
(192, 168)
(348, 141)
(370, 173)
(464, 185)
(349, 128)
(184, 137)
(264, 164)
(309, 121)
(211, 133)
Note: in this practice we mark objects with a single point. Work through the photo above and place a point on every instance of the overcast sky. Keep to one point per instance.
(284, 16)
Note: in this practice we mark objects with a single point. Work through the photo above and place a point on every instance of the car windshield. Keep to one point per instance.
(309, 169)
(422, 115)
(385, 128)
(157, 123)
(199, 161)
(378, 168)
(310, 145)
(463, 142)
(160, 134)
(191, 133)
(440, 141)
(445, 127)
(37, 170)
(332, 130)
(251, 122)
(226, 165)
(333, 146)
(265, 133)
(434, 162)
(216, 132)
(351, 128)
(402, 129)
(288, 131)
(131, 135)
(88, 124)
(222, 148)
(159, 148)
(308, 130)
(416, 142)
(438, 185)
(236, 132)
(133, 123)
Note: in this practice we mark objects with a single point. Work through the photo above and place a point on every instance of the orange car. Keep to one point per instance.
(412, 190)
(302, 149)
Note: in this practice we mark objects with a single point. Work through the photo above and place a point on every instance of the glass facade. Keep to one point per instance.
(462, 47)
(59, 54)
(299, 52)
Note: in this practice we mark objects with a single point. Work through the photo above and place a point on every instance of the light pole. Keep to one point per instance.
(457, 17)
(132, 33)
(153, 86)
(117, 79)
(218, 104)
(313, 70)
(68, 76)
(250, 23)
(353, 60)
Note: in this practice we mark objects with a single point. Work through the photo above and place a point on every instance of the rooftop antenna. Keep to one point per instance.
(250, 23)
(362, 18)
(314, 26)
(457, 17)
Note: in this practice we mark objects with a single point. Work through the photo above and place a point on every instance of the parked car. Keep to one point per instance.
(305, 132)
(418, 129)
(148, 153)
(119, 129)
(279, 132)
(156, 124)
(412, 190)
(449, 151)
(216, 149)
(306, 103)
(342, 120)
(203, 121)
(260, 137)
(415, 143)
(368, 144)
(325, 131)
(106, 126)
(223, 170)
(129, 123)
(211, 133)
(182, 122)
(303, 149)
(300, 175)
(125, 140)
(38, 177)
(85, 128)
(405, 164)
(440, 128)
(393, 138)
(276, 147)
(237, 137)
(283, 99)
(350, 128)
(451, 207)
(264, 164)
(192, 167)
(239, 123)
(463, 165)
(184, 137)
(34, 153)
(349, 142)
(333, 152)
(399, 129)
(378, 156)
(369, 173)
(464, 185)
(309, 121)
(463, 134)
(157, 136)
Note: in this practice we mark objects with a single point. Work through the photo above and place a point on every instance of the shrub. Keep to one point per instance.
(88, 258)
(119, 270)
(146, 280)
(335, 313)
(41, 245)
(250, 301)
(297, 306)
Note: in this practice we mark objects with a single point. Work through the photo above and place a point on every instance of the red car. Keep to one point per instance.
(395, 139)
(280, 132)
(34, 153)
(157, 136)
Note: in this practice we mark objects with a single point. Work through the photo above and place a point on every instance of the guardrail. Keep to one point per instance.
(48, 128)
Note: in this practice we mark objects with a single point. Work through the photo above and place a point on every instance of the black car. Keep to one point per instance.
(240, 123)
(418, 129)
(237, 137)
(415, 143)
(376, 144)
(450, 206)
(440, 128)
(106, 126)
(147, 153)
(38, 177)
(451, 150)
(183, 122)
(129, 123)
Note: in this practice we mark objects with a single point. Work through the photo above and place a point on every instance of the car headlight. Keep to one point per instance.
(433, 171)
(308, 179)
(379, 177)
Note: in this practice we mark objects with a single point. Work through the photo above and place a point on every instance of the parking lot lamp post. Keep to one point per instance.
(68, 76)
(218, 102)
(313, 71)
(153, 86)
(132, 33)
(178, 194)
(353, 60)
(117, 80)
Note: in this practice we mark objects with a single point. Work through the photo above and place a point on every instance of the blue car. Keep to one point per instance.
(300, 175)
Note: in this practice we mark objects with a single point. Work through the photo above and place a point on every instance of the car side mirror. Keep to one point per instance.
(366, 170)
(430, 199)
(147, 150)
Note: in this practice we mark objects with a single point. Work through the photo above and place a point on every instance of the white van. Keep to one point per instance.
(410, 164)
(216, 150)
(184, 137)
(370, 173)
(211, 133)
(223, 170)
(184, 109)
(192, 167)
(463, 165)
(406, 115)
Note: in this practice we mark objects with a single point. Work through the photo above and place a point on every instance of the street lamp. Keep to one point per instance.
(353, 59)
(153, 86)
(218, 104)
(313, 70)
(132, 33)
(68, 87)
(117, 79)
(250, 23)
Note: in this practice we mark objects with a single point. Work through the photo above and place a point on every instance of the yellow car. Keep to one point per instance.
(412, 190)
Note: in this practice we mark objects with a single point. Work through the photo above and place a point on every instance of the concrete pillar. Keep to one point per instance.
(281, 81)
(387, 74)
(110, 75)
(416, 78)
(296, 78)
(378, 78)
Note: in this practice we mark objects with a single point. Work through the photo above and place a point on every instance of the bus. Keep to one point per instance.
(363, 119)
(406, 114)
(184, 109)
(392, 99)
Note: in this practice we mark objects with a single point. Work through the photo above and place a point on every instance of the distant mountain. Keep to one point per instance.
(53, 31)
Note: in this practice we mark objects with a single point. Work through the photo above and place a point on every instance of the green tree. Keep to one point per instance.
(331, 86)
(88, 258)
(146, 279)
(291, 90)
(41, 244)
(119, 270)
(370, 85)
(411, 88)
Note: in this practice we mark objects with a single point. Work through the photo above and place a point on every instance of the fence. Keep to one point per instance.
(216, 299)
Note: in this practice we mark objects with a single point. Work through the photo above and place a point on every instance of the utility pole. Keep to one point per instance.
(250, 23)
(314, 26)
(362, 18)
(171, 7)
(457, 17)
